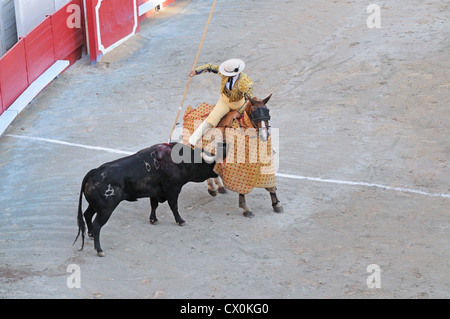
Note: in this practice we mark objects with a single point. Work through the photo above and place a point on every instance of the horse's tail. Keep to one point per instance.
(80, 220)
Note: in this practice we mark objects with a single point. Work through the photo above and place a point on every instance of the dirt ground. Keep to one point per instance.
(352, 104)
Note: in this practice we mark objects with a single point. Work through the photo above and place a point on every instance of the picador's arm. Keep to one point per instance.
(213, 68)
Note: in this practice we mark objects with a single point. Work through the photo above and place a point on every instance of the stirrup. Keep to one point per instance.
(222, 149)
(208, 158)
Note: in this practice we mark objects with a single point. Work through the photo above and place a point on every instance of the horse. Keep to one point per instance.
(259, 114)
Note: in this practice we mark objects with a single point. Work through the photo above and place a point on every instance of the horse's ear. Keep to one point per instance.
(267, 99)
(251, 101)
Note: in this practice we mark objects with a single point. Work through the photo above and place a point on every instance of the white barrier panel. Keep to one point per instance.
(8, 33)
(30, 13)
(30, 93)
(149, 5)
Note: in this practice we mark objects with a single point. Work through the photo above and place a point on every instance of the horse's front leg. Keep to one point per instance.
(220, 186)
(276, 204)
(242, 204)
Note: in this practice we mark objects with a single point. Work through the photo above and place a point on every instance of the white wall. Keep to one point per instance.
(8, 33)
(29, 13)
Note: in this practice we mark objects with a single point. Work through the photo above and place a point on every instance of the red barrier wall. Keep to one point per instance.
(13, 74)
(110, 22)
(67, 42)
(39, 49)
(53, 40)
(50, 41)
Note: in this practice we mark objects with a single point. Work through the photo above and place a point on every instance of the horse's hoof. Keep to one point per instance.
(100, 254)
(212, 193)
(153, 221)
(222, 190)
(249, 214)
(278, 209)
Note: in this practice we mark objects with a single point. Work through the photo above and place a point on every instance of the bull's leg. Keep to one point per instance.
(154, 205)
(276, 204)
(220, 188)
(211, 187)
(88, 214)
(173, 204)
(242, 204)
(100, 220)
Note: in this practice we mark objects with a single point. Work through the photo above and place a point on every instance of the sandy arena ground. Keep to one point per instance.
(352, 104)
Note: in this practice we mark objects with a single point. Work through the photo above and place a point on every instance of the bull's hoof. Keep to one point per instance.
(249, 214)
(182, 223)
(90, 236)
(100, 254)
(278, 209)
(212, 193)
(154, 221)
(222, 190)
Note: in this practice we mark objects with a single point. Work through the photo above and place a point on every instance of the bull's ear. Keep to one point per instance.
(267, 99)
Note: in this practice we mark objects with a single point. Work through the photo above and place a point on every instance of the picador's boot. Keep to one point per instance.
(199, 132)
(197, 135)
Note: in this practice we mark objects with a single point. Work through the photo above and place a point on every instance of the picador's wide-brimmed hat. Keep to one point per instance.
(232, 67)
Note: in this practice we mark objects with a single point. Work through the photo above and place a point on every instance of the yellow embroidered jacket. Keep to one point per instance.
(243, 88)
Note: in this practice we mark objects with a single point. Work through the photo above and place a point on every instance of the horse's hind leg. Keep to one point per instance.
(242, 204)
(211, 187)
(221, 189)
(276, 204)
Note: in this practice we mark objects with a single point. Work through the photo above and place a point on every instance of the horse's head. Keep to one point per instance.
(259, 114)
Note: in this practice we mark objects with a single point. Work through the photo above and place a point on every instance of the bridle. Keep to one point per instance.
(261, 115)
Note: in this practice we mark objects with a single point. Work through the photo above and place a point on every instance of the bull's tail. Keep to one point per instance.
(80, 220)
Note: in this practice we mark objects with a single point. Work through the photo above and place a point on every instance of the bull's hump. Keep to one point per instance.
(158, 151)
(157, 158)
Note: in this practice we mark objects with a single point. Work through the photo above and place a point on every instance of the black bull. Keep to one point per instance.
(150, 172)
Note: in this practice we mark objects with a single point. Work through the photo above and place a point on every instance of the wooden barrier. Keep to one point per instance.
(51, 41)
(13, 74)
(111, 22)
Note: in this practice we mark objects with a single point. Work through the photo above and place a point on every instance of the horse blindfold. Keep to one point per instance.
(260, 114)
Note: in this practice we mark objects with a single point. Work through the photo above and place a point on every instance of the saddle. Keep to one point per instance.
(227, 120)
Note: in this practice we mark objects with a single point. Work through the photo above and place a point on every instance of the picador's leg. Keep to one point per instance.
(276, 204)
(242, 204)
(199, 132)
